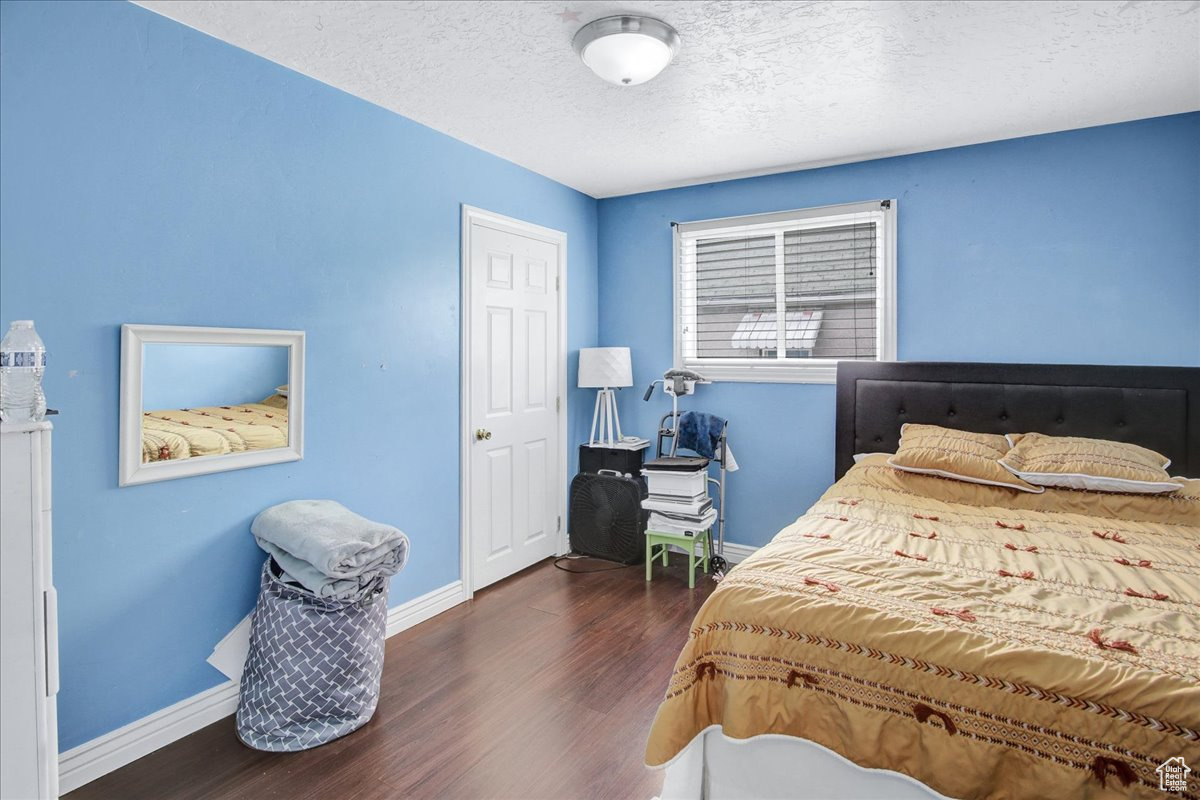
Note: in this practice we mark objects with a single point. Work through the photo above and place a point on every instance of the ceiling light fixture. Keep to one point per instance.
(626, 50)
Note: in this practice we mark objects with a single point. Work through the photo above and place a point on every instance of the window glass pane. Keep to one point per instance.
(830, 277)
(735, 287)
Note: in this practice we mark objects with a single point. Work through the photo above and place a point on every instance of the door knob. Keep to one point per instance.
(481, 434)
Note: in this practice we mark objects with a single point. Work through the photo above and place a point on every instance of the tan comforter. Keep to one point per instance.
(987, 642)
(191, 432)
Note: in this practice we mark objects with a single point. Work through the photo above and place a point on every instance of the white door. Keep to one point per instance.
(513, 405)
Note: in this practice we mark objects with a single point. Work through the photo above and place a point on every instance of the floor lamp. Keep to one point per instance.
(606, 369)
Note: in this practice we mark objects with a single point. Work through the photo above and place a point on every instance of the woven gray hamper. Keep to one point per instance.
(312, 673)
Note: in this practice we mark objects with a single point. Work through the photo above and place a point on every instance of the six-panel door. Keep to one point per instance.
(513, 417)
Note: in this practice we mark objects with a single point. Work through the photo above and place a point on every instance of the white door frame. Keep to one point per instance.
(470, 216)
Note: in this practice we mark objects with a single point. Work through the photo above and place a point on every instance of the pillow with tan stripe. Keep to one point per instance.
(962, 455)
(1072, 462)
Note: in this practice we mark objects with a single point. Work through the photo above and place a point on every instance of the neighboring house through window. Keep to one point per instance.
(829, 273)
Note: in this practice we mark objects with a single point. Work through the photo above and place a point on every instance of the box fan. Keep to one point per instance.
(606, 517)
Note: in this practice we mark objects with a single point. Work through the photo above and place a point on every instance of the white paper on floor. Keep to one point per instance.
(229, 656)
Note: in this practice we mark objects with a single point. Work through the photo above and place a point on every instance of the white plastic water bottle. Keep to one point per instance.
(22, 364)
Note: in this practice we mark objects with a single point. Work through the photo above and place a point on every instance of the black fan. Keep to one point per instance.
(607, 520)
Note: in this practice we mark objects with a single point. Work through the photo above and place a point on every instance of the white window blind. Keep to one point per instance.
(827, 273)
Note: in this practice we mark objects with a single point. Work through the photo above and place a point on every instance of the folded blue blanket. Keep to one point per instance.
(327, 548)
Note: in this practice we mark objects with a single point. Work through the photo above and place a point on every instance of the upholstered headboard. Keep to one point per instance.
(1156, 407)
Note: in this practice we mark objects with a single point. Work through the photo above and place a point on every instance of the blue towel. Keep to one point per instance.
(699, 432)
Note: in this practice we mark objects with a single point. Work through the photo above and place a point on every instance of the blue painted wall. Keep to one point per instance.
(189, 375)
(1076, 247)
(152, 174)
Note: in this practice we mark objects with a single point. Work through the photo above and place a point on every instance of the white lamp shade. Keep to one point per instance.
(605, 367)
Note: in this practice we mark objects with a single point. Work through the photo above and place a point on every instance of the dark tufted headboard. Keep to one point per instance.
(1156, 407)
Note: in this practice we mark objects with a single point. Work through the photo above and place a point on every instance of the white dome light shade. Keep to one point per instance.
(626, 59)
(626, 50)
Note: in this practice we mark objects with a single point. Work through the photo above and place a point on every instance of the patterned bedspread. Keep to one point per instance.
(989, 643)
(191, 432)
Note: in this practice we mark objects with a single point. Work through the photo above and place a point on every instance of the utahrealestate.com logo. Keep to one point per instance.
(1173, 775)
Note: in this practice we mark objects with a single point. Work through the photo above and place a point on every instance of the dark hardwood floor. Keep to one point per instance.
(543, 686)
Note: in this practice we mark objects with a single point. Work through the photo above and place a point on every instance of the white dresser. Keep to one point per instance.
(28, 617)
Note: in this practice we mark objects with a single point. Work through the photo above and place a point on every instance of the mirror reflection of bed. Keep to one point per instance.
(212, 399)
(198, 400)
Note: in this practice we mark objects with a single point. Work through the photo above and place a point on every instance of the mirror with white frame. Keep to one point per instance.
(201, 400)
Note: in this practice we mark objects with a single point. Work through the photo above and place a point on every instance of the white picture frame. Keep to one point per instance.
(134, 338)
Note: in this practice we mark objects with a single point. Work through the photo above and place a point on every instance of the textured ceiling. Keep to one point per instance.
(757, 86)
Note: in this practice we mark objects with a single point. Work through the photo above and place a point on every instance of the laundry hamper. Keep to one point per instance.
(312, 673)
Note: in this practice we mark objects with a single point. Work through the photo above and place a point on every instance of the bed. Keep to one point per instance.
(915, 636)
(191, 432)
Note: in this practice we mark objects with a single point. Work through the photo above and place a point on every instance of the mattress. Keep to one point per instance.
(216, 430)
(985, 642)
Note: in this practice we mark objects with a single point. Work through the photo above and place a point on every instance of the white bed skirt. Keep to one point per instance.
(774, 767)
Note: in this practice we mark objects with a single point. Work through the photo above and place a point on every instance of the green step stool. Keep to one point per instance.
(661, 538)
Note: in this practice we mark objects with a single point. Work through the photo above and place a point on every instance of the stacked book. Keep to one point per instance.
(677, 498)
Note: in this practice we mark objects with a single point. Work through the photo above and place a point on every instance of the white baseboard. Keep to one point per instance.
(113, 750)
(738, 552)
(102, 755)
(428, 605)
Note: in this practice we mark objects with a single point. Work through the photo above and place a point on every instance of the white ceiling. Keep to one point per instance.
(757, 86)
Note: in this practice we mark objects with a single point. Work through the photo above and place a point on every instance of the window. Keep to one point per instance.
(829, 273)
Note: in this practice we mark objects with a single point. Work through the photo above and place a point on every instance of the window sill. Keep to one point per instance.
(825, 372)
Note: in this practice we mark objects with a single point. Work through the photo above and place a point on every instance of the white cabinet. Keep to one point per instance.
(28, 617)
